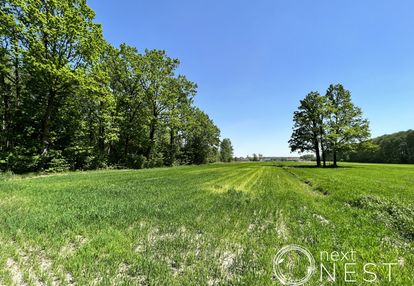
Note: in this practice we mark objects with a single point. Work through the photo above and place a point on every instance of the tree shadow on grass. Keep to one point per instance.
(316, 167)
(307, 166)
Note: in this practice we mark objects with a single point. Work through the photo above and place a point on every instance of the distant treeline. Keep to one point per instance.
(69, 100)
(394, 148)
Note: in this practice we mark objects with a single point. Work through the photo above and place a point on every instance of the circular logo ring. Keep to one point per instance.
(279, 258)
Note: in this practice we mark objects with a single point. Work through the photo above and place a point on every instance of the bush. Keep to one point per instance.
(154, 161)
(21, 161)
(136, 161)
(56, 162)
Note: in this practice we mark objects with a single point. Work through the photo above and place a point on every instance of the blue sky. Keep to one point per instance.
(254, 60)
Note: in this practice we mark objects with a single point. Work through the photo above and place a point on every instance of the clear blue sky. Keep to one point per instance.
(254, 60)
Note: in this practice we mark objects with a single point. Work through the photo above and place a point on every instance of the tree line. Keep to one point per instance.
(328, 125)
(397, 148)
(70, 100)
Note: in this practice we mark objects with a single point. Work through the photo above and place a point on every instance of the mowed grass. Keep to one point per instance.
(218, 224)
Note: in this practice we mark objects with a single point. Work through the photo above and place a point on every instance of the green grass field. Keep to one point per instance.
(218, 224)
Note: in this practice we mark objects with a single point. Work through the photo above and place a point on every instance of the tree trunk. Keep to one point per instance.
(17, 73)
(321, 134)
(101, 138)
(101, 132)
(151, 139)
(126, 147)
(171, 158)
(323, 156)
(317, 153)
(45, 135)
(8, 101)
(334, 158)
(127, 136)
(6, 119)
(323, 153)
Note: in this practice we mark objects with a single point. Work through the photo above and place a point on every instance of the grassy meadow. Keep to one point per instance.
(218, 224)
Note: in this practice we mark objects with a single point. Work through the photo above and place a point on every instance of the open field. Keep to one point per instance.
(210, 225)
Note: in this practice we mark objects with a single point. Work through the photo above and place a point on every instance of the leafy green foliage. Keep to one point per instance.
(308, 124)
(70, 100)
(392, 148)
(201, 139)
(226, 150)
(331, 124)
(344, 124)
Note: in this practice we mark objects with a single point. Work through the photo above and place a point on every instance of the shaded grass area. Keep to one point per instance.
(208, 225)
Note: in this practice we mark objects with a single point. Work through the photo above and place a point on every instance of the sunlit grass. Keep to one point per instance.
(210, 225)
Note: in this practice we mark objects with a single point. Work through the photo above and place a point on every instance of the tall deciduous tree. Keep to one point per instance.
(201, 138)
(60, 42)
(345, 125)
(226, 150)
(91, 109)
(183, 92)
(156, 82)
(330, 123)
(126, 73)
(70, 100)
(308, 126)
(11, 83)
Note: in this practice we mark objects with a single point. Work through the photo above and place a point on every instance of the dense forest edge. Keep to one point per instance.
(396, 148)
(70, 100)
